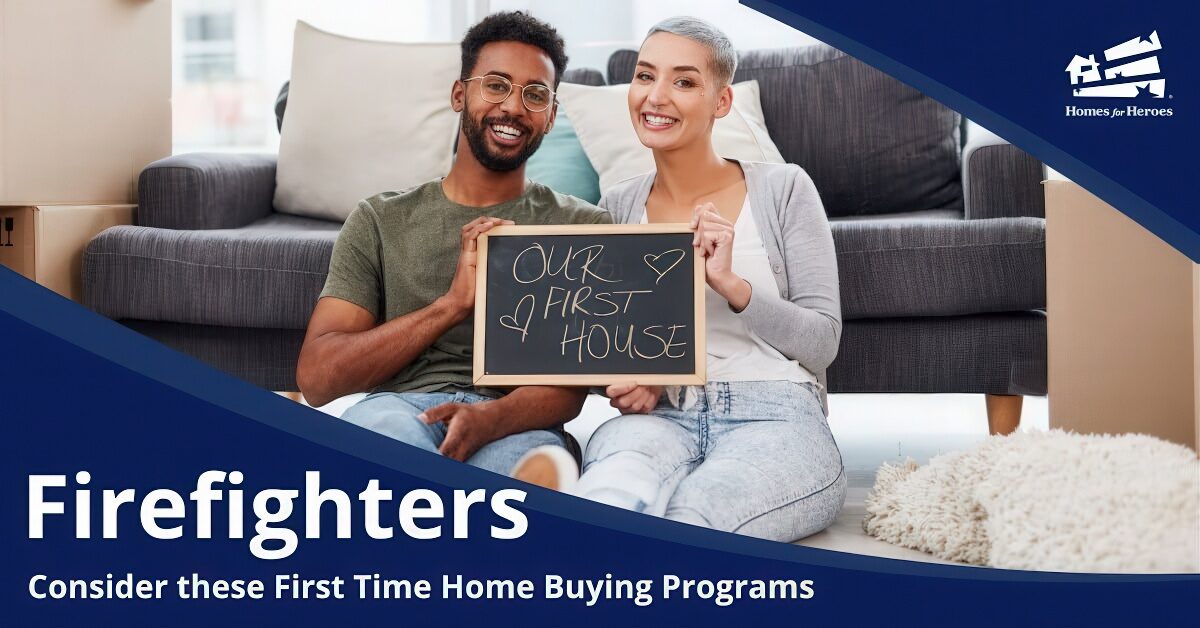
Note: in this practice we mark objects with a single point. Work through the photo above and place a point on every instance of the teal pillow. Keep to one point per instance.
(561, 165)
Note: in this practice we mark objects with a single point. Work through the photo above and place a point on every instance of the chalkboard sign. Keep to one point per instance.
(586, 305)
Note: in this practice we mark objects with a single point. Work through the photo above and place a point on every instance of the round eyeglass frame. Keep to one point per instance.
(483, 94)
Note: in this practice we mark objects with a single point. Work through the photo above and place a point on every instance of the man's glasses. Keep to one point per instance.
(496, 89)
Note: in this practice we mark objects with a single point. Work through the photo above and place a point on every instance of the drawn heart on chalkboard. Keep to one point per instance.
(659, 263)
(510, 320)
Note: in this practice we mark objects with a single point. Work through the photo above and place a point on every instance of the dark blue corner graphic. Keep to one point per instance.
(81, 393)
(1005, 66)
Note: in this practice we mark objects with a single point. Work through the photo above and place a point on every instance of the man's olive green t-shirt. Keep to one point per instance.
(398, 251)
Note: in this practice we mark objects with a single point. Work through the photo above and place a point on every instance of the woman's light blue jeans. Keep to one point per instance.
(755, 458)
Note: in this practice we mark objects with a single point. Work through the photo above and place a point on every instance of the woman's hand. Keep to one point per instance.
(714, 240)
(632, 398)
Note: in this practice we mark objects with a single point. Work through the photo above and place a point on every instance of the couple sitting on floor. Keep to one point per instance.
(750, 451)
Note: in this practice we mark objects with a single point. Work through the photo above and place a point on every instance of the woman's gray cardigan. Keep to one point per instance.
(806, 323)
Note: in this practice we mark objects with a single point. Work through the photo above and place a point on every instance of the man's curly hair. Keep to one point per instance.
(514, 26)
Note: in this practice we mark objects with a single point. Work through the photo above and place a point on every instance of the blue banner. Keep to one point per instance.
(83, 394)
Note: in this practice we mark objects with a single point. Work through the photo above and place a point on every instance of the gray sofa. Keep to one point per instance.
(941, 247)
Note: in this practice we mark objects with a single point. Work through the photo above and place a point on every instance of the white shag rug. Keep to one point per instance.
(1048, 501)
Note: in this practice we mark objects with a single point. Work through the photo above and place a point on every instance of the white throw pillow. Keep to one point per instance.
(601, 119)
(363, 117)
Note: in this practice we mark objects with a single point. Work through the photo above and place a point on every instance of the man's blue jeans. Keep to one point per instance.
(395, 415)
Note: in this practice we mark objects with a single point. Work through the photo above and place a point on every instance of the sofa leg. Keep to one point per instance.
(1004, 413)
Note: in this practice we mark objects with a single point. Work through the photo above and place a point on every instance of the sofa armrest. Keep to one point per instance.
(1001, 181)
(206, 191)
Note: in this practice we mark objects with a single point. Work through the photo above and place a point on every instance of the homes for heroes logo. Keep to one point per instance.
(1129, 70)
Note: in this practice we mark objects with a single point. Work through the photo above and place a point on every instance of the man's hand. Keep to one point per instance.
(469, 426)
(632, 398)
(462, 288)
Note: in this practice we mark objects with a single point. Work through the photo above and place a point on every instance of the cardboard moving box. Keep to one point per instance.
(1123, 323)
(47, 241)
(85, 102)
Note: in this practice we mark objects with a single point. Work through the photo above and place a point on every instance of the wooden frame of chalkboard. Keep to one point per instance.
(695, 368)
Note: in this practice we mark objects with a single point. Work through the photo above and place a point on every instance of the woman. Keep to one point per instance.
(751, 451)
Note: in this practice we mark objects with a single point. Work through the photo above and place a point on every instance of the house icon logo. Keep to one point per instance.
(1127, 70)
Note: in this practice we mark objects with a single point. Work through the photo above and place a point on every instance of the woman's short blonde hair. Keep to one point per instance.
(722, 56)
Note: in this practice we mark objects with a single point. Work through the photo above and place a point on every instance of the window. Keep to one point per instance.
(208, 47)
(232, 56)
(208, 27)
(208, 67)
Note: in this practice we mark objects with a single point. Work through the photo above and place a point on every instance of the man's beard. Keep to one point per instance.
(476, 135)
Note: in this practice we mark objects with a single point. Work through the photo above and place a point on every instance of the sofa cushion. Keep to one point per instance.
(999, 354)
(895, 267)
(872, 144)
(362, 117)
(561, 164)
(264, 357)
(267, 274)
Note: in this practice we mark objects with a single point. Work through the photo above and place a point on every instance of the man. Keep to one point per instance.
(395, 316)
